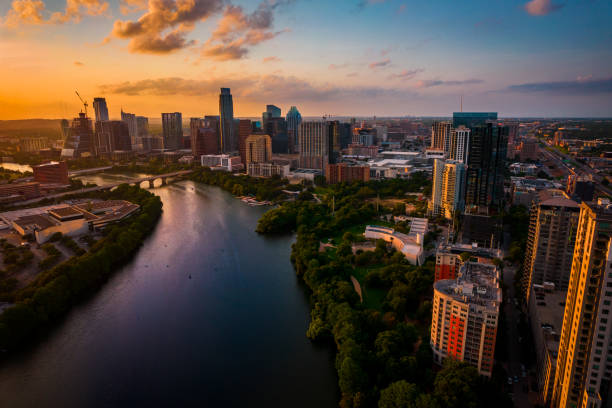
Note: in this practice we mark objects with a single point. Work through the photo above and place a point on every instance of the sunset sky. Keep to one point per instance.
(353, 57)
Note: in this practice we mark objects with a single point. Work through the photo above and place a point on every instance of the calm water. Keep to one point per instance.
(231, 336)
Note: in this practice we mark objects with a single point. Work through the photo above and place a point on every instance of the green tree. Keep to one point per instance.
(400, 394)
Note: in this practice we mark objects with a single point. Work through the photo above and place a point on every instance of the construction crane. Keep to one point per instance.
(84, 103)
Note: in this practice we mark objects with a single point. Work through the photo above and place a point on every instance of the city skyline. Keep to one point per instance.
(388, 58)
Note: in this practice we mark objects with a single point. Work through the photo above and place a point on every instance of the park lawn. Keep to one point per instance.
(373, 298)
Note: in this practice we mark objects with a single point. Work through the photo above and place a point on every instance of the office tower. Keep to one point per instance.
(142, 126)
(486, 165)
(204, 138)
(132, 123)
(294, 118)
(314, 145)
(459, 146)
(226, 113)
(381, 133)
(343, 173)
(513, 131)
(529, 150)
(258, 149)
(440, 135)
(273, 111)
(245, 128)
(550, 244)
(112, 135)
(172, 126)
(346, 135)
(465, 315)
(276, 127)
(100, 109)
(471, 119)
(79, 143)
(584, 370)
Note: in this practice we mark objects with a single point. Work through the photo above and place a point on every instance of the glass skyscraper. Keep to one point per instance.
(471, 119)
(100, 108)
(293, 124)
(226, 111)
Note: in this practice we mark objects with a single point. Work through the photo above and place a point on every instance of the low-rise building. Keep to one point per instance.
(411, 244)
(19, 191)
(268, 169)
(465, 316)
(223, 162)
(51, 173)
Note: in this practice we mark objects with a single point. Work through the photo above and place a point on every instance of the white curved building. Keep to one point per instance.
(411, 245)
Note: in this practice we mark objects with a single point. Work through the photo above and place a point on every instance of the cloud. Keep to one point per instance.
(34, 12)
(132, 6)
(78, 63)
(406, 74)
(380, 64)
(236, 31)
(542, 7)
(429, 83)
(165, 25)
(271, 59)
(352, 74)
(281, 88)
(581, 86)
(334, 67)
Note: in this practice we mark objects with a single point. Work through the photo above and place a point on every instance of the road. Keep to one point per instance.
(558, 157)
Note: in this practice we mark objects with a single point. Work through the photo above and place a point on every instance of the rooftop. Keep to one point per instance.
(477, 283)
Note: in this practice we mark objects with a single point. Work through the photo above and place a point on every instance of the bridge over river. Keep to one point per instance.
(165, 179)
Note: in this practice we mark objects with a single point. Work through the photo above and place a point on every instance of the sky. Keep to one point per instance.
(528, 58)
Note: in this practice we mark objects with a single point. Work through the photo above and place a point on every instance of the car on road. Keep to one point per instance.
(509, 380)
(516, 379)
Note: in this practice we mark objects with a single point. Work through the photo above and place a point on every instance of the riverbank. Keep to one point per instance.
(44, 302)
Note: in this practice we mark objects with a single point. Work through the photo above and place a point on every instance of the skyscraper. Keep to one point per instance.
(471, 119)
(459, 146)
(111, 135)
(245, 128)
(100, 109)
(448, 190)
(79, 143)
(333, 128)
(226, 112)
(584, 368)
(204, 138)
(486, 165)
(550, 244)
(142, 126)
(440, 135)
(273, 111)
(314, 145)
(294, 118)
(130, 120)
(172, 126)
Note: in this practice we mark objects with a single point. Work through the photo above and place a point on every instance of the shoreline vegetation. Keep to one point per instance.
(383, 357)
(43, 303)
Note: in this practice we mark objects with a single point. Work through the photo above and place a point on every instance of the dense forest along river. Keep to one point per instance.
(208, 314)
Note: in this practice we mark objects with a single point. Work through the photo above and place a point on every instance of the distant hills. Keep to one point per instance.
(49, 128)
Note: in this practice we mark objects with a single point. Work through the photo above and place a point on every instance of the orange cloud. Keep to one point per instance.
(33, 12)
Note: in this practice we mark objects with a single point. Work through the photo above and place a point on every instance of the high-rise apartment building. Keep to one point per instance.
(314, 145)
(132, 123)
(448, 190)
(471, 119)
(584, 361)
(172, 127)
(100, 109)
(440, 136)
(486, 166)
(459, 146)
(550, 244)
(80, 140)
(465, 314)
(258, 149)
(294, 118)
(226, 113)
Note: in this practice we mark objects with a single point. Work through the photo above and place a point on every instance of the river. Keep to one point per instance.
(208, 314)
